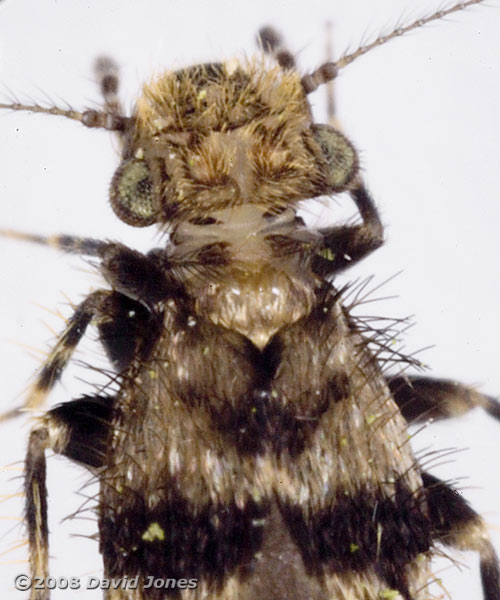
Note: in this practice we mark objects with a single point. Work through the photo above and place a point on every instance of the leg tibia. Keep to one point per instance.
(36, 508)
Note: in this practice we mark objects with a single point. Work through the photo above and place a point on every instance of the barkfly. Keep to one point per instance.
(246, 434)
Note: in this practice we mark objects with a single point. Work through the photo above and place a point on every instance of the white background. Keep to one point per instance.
(423, 113)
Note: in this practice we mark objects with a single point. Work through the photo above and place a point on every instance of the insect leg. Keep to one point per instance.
(127, 329)
(345, 245)
(55, 364)
(77, 429)
(422, 398)
(140, 277)
(36, 507)
(455, 524)
(146, 279)
(130, 331)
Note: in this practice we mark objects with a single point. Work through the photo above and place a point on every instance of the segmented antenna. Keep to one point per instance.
(271, 42)
(90, 118)
(329, 70)
(112, 120)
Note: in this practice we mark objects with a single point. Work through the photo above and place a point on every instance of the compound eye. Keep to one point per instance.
(341, 157)
(131, 194)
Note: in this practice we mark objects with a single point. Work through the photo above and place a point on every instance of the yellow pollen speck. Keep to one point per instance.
(153, 533)
(256, 495)
(389, 594)
(327, 254)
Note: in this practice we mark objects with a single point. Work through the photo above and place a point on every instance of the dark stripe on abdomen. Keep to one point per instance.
(363, 531)
(179, 540)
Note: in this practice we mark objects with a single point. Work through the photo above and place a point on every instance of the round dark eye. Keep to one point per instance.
(131, 193)
(340, 155)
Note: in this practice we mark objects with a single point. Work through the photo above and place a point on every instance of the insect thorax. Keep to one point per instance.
(221, 154)
(253, 272)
